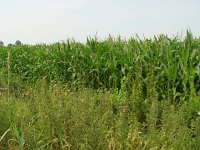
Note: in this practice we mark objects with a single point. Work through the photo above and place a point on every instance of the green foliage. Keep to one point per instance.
(111, 94)
(174, 63)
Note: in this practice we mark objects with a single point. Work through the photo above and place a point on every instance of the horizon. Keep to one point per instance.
(180, 36)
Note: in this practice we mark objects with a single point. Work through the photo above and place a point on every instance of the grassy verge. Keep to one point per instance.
(53, 117)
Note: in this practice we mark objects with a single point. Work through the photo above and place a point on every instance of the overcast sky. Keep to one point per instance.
(39, 21)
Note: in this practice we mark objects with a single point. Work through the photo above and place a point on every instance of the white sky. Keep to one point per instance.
(45, 21)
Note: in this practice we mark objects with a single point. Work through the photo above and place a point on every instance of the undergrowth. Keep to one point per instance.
(57, 117)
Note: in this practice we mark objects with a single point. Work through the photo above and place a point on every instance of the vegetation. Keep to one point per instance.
(18, 42)
(111, 94)
(1, 44)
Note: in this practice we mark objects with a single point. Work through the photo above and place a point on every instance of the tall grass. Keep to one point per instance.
(8, 70)
(53, 118)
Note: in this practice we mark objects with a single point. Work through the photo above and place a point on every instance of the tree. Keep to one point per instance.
(9, 45)
(18, 42)
(1, 44)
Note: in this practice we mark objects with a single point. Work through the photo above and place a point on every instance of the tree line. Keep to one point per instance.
(18, 42)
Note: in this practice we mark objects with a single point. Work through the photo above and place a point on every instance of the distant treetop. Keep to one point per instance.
(1, 44)
(18, 42)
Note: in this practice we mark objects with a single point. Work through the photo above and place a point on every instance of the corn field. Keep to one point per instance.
(172, 65)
